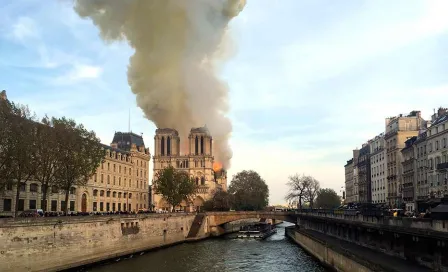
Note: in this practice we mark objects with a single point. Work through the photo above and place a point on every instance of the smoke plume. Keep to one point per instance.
(179, 46)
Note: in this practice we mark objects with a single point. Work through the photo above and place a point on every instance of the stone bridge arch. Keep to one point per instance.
(217, 219)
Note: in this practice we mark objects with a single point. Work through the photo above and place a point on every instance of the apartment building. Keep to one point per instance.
(378, 170)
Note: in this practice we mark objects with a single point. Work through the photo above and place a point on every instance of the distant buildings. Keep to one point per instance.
(404, 167)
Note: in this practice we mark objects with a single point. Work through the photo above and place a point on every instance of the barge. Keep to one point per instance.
(257, 231)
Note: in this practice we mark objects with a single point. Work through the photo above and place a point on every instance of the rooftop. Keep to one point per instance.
(125, 140)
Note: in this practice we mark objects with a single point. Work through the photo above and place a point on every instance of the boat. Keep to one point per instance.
(257, 231)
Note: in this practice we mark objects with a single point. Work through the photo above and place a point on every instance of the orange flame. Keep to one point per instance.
(217, 166)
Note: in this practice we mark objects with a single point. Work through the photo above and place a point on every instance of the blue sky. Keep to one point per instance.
(310, 80)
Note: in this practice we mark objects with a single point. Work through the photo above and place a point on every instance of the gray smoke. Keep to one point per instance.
(179, 45)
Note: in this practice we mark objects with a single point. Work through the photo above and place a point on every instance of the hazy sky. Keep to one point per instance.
(311, 79)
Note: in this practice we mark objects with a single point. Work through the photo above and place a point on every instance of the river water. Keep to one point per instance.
(276, 253)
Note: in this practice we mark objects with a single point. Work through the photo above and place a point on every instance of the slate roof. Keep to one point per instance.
(114, 149)
(441, 119)
(124, 140)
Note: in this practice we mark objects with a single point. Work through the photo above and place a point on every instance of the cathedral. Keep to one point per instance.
(196, 159)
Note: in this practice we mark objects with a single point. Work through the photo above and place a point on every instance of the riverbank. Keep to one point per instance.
(340, 255)
(59, 243)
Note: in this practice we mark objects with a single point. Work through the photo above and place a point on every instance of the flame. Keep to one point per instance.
(217, 166)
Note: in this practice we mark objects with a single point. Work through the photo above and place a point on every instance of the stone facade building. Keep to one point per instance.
(437, 147)
(409, 173)
(378, 170)
(119, 184)
(364, 176)
(198, 162)
(349, 181)
(399, 129)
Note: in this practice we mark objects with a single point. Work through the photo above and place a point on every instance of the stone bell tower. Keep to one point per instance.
(166, 142)
(200, 142)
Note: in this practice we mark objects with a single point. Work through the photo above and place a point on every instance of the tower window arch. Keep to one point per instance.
(196, 145)
(168, 146)
(162, 146)
(202, 145)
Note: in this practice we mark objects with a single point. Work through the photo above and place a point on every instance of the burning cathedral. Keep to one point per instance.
(196, 159)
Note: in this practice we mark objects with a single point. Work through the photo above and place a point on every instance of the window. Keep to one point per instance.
(33, 188)
(107, 207)
(102, 178)
(114, 180)
(108, 179)
(101, 206)
(130, 183)
(130, 196)
(62, 205)
(72, 206)
(22, 187)
(95, 192)
(32, 204)
(102, 193)
(21, 204)
(7, 205)
(119, 206)
(95, 206)
(113, 207)
(119, 169)
(114, 194)
(108, 193)
(73, 191)
(108, 166)
(54, 190)
(54, 205)
(94, 178)
(119, 195)
(119, 181)
(9, 186)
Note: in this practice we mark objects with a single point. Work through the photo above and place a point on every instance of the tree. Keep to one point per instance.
(311, 192)
(327, 199)
(298, 185)
(47, 154)
(174, 185)
(80, 154)
(6, 123)
(249, 191)
(21, 162)
(221, 201)
(302, 188)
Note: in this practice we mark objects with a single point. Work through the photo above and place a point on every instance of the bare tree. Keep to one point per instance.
(80, 154)
(311, 191)
(298, 185)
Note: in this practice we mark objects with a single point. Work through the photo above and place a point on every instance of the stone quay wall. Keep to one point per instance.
(52, 244)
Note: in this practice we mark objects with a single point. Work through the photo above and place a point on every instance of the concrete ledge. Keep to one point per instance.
(341, 255)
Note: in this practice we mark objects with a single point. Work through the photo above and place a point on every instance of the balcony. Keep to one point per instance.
(443, 167)
(202, 190)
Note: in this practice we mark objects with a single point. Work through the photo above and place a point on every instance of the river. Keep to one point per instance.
(276, 253)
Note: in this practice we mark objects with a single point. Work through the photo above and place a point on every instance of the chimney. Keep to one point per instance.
(3, 95)
(441, 111)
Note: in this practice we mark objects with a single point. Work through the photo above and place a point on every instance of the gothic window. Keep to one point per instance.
(162, 151)
(196, 145)
(168, 146)
(202, 181)
(197, 181)
(202, 145)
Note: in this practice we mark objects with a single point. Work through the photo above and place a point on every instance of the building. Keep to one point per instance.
(119, 184)
(399, 129)
(409, 173)
(421, 169)
(364, 177)
(349, 181)
(355, 195)
(378, 170)
(198, 162)
(437, 147)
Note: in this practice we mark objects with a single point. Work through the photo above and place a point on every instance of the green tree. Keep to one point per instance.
(80, 154)
(6, 115)
(327, 199)
(221, 201)
(47, 154)
(249, 191)
(21, 164)
(174, 185)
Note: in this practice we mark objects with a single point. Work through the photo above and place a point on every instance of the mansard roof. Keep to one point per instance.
(125, 140)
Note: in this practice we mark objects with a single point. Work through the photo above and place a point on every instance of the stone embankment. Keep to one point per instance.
(51, 244)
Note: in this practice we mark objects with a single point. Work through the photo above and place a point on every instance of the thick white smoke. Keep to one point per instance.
(179, 45)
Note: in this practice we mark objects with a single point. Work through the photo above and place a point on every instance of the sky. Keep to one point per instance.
(310, 80)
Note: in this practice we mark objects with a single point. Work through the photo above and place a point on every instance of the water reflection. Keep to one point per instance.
(276, 253)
